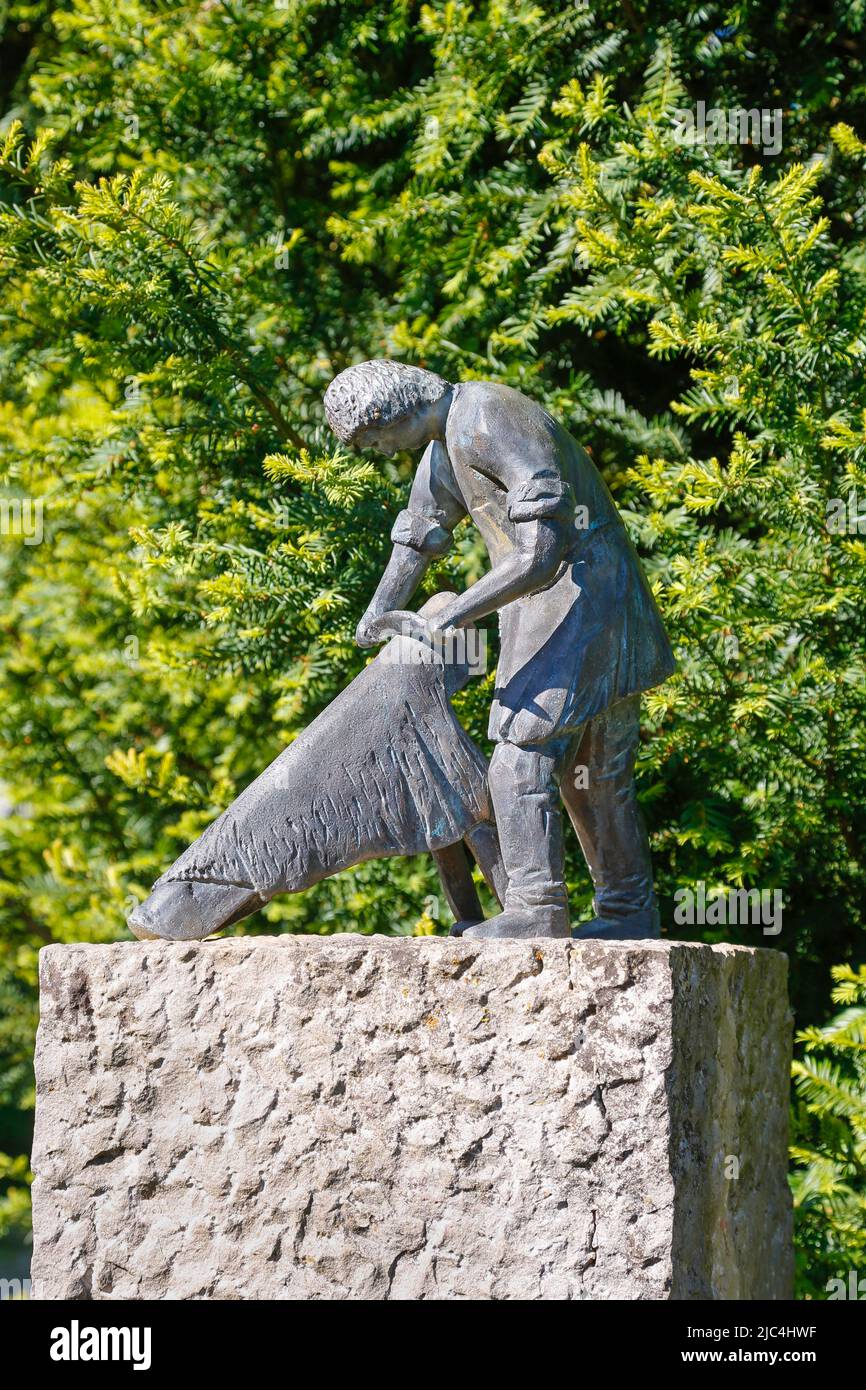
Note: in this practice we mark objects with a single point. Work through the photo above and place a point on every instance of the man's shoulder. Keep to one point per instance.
(491, 396)
(507, 430)
(495, 412)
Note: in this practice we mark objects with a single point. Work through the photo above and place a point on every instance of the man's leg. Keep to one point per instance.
(523, 781)
(599, 793)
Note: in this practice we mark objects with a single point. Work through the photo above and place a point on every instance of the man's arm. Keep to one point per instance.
(529, 566)
(402, 576)
(541, 508)
(421, 533)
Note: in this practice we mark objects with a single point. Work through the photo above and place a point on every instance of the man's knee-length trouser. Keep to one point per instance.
(592, 770)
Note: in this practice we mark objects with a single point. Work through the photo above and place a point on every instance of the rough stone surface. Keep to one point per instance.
(369, 1118)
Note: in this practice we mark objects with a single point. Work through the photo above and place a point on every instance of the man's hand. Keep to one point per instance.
(364, 631)
(400, 623)
(376, 628)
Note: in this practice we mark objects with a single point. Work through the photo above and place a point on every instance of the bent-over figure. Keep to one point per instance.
(581, 635)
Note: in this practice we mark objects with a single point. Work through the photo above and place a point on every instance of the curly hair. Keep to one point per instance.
(376, 393)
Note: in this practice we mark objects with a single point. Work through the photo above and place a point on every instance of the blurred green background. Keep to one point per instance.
(206, 211)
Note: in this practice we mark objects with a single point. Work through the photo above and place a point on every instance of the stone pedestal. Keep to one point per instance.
(371, 1118)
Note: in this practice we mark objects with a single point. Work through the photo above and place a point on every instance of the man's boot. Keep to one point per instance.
(525, 793)
(599, 791)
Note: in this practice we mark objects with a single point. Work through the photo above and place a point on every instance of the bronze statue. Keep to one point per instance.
(581, 635)
(386, 769)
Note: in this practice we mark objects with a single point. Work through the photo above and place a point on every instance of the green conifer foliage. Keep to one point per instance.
(209, 209)
(829, 1179)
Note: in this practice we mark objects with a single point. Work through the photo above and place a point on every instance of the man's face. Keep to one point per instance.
(408, 432)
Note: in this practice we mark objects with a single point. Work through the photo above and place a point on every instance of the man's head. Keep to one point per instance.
(386, 405)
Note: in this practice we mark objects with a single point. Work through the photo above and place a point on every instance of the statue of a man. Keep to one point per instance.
(581, 635)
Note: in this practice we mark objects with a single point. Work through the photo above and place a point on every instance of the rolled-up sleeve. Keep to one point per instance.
(435, 506)
(422, 533)
(545, 495)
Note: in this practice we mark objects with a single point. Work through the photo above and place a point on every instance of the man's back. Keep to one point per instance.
(592, 635)
(506, 450)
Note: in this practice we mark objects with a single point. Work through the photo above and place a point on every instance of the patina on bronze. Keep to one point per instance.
(387, 769)
(581, 635)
